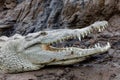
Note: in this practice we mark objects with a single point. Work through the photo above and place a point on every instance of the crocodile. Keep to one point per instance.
(21, 53)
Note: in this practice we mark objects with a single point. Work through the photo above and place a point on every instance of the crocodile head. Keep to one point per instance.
(63, 56)
(35, 50)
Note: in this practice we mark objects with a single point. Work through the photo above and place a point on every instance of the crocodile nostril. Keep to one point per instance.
(43, 33)
(72, 52)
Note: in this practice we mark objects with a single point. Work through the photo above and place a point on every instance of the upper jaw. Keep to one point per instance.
(61, 35)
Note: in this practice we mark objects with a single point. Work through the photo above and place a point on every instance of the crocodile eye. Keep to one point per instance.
(43, 33)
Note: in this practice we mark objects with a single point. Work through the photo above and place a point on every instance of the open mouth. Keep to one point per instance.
(76, 35)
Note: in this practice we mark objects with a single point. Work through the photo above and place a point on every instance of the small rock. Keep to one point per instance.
(111, 51)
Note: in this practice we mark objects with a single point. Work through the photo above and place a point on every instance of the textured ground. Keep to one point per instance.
(99, 67)
(34, 15)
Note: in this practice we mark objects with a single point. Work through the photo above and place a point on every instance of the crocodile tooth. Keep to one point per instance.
(95, 46)
(99, 30)
(98, 44)
(71, 49)
(108, 44)
(67, 48)
(83, 35)
(89, 47)
(86, 33)
(103, 27)
(79, 38)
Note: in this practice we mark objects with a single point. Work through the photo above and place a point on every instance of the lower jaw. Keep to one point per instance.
(74, 49)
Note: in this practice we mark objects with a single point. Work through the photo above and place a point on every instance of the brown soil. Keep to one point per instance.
(99, 67)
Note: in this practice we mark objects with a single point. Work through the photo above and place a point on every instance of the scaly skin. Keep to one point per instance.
(32, 52)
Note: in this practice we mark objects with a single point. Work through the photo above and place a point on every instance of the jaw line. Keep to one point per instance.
(96, 49)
